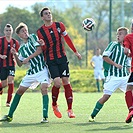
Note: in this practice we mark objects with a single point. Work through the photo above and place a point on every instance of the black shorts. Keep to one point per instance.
(58, 68)
(7, 71)
(130, 78)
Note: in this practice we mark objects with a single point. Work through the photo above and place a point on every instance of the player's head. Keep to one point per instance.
(98, 51)
(8, 30)
(22, 31)
(45, 14)
(121, 33)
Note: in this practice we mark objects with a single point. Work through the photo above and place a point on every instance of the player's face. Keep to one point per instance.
(8, 31)
(47, 16)
(120, 36)
(23, 33)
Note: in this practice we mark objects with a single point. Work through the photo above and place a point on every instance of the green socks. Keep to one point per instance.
(98, 86)
(14, 104)
(45, 106)
(96, 109)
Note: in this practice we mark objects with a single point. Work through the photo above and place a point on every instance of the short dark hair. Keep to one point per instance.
(43, 9)
(8, 26)
(20, 26)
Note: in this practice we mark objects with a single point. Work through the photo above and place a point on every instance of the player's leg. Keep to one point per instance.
(129, 98)
(3, 76)
(64, 73)
(43, 78)
(96, 76)
(98, 106)
(10, 85)
(54, 72)
(45, 101)
(14, 104)
(110, 85)
(10, 90)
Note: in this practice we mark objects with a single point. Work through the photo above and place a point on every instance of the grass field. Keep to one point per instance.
(27, 117)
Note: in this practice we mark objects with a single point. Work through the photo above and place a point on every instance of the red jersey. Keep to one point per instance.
(5, 47)
(52, 36)
(128, 43)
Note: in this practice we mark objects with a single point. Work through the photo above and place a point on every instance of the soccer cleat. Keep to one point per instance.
(6, 118)
(129, 117)
(91, 119)
(70, 113)
(44, 120)
(8, 105)
(57, 111)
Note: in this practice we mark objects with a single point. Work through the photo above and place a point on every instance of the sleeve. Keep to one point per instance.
(126, 42)
(67, 38)
(63, 29)
(20, 57)
(109, 50)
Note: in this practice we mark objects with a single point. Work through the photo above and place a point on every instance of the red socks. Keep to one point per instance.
(55, 93)
(68, 95)
(10, 92)
(129, 100)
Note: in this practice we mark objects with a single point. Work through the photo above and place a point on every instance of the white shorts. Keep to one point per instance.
(98, 74)
(112, 83)
(32, 81)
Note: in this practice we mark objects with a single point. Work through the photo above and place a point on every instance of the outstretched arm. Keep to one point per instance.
(71, 45)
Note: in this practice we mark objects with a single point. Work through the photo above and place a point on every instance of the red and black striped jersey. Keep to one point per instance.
(52, 36)
(5, 47)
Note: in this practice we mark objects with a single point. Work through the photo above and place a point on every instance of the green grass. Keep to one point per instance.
(28, 115)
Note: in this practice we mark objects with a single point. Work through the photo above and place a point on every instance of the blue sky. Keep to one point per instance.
(17, 3)
(28, 3)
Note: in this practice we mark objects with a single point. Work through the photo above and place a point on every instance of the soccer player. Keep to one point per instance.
(7, 63)
(37, 73)
(52, 33)
(116, 70)
(128, 43)
(97, 64)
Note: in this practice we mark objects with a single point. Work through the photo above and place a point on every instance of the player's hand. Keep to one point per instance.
(3, 57)
(13, 51)
(41, 42)
(127, 51)
(25, 61)
(78, 55)
(118, 66)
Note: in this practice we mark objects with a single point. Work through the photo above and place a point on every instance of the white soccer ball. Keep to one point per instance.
(88, 24)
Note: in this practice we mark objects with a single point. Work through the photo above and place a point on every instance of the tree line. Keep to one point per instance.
(72, 17)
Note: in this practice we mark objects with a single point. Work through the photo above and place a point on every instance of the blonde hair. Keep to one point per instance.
(123, 28)
(20, 26)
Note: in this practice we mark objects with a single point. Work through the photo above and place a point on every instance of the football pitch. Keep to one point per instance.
(28, 115)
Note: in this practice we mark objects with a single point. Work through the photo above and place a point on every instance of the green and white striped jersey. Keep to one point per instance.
(26, 49)
(115, 51)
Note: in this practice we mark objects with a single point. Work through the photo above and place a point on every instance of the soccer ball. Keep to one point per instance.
(88, 24)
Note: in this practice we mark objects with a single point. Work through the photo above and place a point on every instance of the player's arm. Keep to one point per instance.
(19, 63)
(111, 62)
(37, 52)
(69, 41)
(92, 64)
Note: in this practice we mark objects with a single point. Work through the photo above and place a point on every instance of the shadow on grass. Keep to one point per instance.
(106, 126)
(11, 124)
